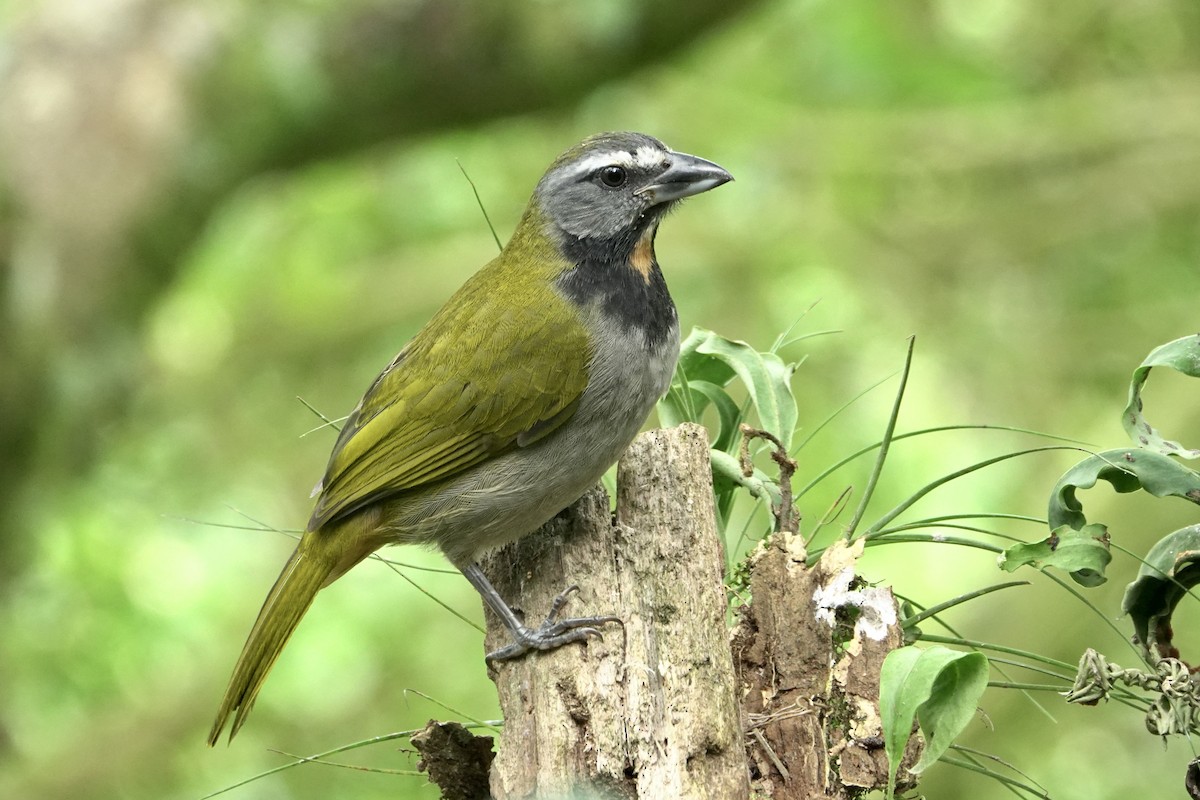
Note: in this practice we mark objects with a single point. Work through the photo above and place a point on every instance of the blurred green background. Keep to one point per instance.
(208, 209)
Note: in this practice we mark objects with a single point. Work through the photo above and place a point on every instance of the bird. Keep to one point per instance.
(509, 404)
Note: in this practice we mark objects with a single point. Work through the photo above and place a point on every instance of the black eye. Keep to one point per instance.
(612, 177)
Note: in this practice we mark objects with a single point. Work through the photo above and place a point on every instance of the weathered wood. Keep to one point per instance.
(648, 712)
(808, 650)
(455, 759)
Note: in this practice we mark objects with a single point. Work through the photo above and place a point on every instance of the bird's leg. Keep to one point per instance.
(552, 633)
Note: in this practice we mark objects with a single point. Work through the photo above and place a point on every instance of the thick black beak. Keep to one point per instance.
(687, 175)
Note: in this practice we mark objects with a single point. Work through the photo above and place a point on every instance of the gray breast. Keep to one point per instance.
(513, 494)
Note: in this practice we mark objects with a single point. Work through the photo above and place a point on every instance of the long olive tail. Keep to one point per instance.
(305, 573)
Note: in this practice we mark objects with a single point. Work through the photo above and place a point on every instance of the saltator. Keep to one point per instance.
(510, 403)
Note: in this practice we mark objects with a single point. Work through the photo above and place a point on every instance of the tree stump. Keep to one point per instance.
(671, 705)
(649, 712)
(809, 649)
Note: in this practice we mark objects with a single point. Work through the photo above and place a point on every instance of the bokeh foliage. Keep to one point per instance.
(1015, 182)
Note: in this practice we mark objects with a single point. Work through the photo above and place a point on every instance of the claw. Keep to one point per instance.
(551, 634)
(560, 600)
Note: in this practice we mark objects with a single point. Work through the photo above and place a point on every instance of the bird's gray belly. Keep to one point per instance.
(511, 495)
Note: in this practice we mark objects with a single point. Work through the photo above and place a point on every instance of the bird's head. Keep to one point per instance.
(616, 186)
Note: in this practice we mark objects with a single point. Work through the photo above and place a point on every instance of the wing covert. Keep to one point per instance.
(443, 406)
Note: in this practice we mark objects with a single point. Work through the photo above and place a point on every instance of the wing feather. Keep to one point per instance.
(468, 387)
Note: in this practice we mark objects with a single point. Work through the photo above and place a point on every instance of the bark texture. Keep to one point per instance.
(650, 711)
(809, 649)
(670, 705)
(455, 759)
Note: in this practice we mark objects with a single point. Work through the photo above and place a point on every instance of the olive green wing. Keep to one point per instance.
(447, 403)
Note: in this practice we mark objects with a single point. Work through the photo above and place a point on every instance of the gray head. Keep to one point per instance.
(616, 184)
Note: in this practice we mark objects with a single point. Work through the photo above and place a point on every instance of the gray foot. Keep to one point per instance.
(553, 632)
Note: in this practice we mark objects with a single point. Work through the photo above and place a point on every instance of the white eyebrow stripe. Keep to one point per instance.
(648, 156)
(645, 156)
(613, 158)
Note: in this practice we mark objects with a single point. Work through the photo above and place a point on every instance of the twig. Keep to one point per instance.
(786, 516)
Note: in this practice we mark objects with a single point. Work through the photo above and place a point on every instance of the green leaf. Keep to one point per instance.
(952, 704)
(682, 403)
(1127, 471)
(1182, 355)
(937, 686)
(686, 402)
(708, 362)
(1170, 569)
(729, 416)
(673, 409)
(766, 376)
(1084, 553)
(702, 366)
